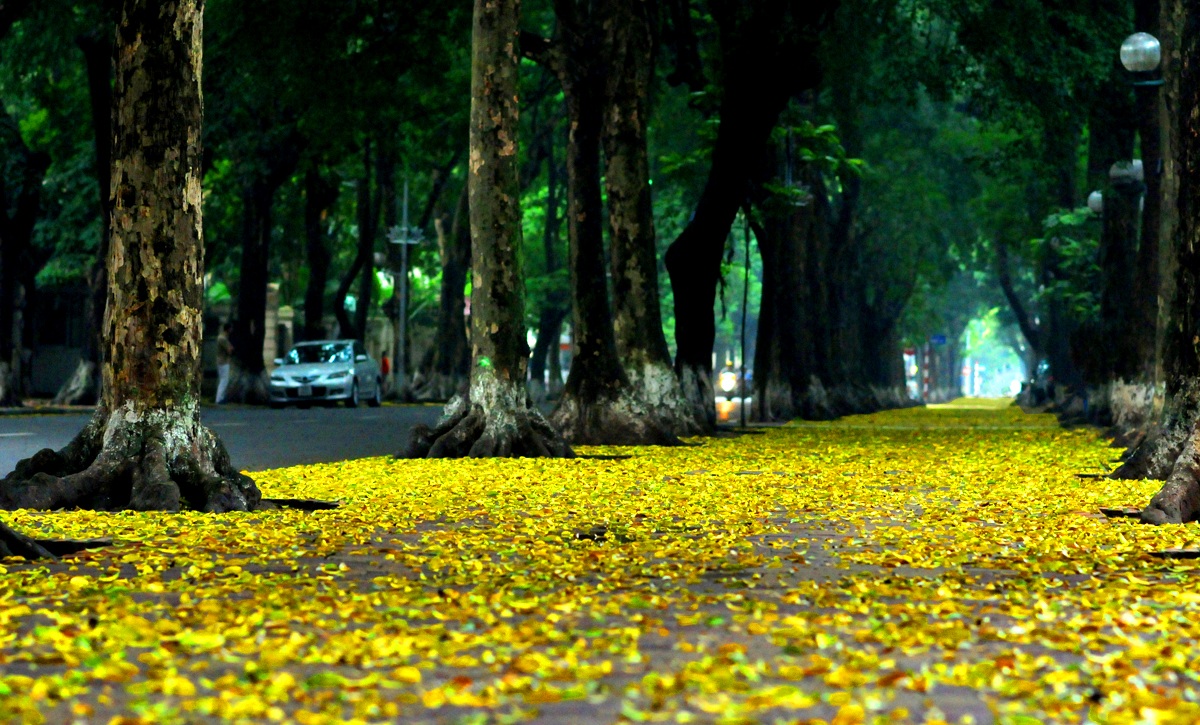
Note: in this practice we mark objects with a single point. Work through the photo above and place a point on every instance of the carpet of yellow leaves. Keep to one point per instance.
(924, 565)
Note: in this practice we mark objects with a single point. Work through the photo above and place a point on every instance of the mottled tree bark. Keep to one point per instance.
(1154, 457)
(754, 37)
(145, 448)
(637, 320)
(598, 405)
(496, 418)
(1179, 499)
(319, 196)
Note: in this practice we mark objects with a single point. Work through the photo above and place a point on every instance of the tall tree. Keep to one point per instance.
(448, 363)
(754, 38)
(637, 320)
(1176, 446)
(496, 418)
(275, 159)
(319, 195)
(598, 405)
(144, 447)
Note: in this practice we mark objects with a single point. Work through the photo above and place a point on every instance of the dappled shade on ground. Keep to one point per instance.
(913, 565)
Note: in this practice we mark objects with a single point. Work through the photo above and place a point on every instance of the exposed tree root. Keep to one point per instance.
(8, 387)
(1155, 457)
(1178, 501)
(697, 386)
(15, 544)
(435, 386)
(658, 389)
(157, 461)
(82, 388)
(619, 420)
(247, 387)
(495, 420)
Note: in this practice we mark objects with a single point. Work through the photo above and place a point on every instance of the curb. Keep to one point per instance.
(47, 410)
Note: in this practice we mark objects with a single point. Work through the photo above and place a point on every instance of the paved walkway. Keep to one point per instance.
(924, 565)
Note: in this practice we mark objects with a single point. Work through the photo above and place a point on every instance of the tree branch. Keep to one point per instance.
(1028, 329)
(541, 51)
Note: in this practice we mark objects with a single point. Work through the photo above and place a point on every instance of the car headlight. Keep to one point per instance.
(338, 375)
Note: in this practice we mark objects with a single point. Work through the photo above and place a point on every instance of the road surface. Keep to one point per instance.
(257, 438)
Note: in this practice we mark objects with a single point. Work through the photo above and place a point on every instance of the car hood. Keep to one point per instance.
(307, 370)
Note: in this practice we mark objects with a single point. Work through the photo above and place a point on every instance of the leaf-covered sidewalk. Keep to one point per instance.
(910, 566)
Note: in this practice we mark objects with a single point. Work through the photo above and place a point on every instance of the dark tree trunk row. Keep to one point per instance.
(751, 40)
(19, 209)
(554, 310)
(248, 377)
(1173, 447)
(83, 387)
(445, 371)
(637, 319)
(598, 405)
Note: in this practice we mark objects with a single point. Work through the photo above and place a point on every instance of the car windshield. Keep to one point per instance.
(327, 353)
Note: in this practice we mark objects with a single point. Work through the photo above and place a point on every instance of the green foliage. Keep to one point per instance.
(1070, 245)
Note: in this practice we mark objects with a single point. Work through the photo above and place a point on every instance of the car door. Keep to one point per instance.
(362, 369)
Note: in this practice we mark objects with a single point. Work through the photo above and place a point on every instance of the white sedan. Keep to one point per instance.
(326, 371)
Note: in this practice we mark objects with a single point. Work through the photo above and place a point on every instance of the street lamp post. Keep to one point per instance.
(404, 235)
(1141, 55)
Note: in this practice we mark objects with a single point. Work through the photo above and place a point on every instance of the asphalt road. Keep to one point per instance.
(257, 438)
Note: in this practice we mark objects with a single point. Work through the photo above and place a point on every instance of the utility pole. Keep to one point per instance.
(403, 235)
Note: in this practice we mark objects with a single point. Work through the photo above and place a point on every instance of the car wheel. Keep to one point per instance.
(377, 399)
(275, 405)
(352, 401)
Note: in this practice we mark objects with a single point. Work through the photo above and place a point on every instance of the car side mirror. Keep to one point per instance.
(278, 361)
(360, 358)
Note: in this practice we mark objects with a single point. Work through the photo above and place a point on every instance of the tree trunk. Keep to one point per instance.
(17, 268)
(598, 405)
(368, 232)
(637, 320)
(1179, 499)
(446, 372)
(346, 325)
(1118, 254)
(496, 417)
(1175, 360)
(248, 374)
(787, 376)
(1029, 330)
(554, 308)
(1147, 278)
(1060, 148)
(83, 387)
(145, 448)
(319, 196)
(750, 105)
